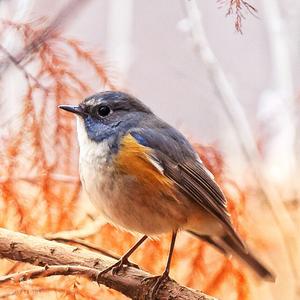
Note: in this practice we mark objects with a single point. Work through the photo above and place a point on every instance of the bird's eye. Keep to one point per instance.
(103, 111)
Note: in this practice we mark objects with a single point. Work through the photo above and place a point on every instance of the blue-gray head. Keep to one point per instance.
(108, 115)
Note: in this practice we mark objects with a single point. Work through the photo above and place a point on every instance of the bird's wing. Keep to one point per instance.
(187, 171)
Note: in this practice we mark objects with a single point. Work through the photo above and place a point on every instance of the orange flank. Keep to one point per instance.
(134, 159)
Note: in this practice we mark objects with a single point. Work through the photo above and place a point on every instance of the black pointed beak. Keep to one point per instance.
(75, 109)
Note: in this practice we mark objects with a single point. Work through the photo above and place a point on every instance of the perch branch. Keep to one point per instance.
(68, 259)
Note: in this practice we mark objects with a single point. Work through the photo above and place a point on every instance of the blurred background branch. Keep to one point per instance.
(64, 15)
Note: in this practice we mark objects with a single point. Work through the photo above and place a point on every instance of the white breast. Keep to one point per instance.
(95, 171)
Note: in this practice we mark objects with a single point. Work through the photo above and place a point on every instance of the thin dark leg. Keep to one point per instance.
(167, 269)
(124, 258)
(165, 275)
(133, 248)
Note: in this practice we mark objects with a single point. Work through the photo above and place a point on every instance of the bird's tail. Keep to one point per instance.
(228, 245)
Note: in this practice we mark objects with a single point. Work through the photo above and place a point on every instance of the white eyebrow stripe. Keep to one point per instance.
(91, 101)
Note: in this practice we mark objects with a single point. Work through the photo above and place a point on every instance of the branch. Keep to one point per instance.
(63, 16)
(21, 68)
(72, 260)
(225, 94)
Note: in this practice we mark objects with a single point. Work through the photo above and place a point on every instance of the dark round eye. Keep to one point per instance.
(103, 111)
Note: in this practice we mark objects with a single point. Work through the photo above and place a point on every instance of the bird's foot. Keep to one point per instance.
(156, 284)
(118, 266)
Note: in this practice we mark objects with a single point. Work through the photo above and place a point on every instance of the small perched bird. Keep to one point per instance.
(144, 176)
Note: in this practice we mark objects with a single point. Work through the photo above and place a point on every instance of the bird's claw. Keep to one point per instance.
(155, 286)
(118, 266)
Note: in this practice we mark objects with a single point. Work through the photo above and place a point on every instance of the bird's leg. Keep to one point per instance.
(158, 280)
(124, 258)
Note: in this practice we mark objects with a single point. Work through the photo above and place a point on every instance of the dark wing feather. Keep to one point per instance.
(194, 181)
(182, 165)
(199, 171)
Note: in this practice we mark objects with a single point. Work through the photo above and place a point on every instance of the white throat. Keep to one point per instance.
(91, 152)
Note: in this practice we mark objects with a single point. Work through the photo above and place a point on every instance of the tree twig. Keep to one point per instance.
(22, 68)
(63, 16)
(47, 271)
(84, 243)
(129, 281)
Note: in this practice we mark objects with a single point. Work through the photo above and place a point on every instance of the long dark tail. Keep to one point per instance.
(228, 245)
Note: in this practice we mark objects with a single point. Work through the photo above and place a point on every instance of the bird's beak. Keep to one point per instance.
(76, 109)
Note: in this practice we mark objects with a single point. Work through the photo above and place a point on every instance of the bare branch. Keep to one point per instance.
(62, 17)
(22, 68)
(72, 260)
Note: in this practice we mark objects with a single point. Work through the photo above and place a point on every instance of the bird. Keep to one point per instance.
(144, 176)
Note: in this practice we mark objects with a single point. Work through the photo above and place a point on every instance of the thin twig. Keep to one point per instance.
(13, 268)
(62, 17)
(47, 271)
(84, 243)
(22, 68)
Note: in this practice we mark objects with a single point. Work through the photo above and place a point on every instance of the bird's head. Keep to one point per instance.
(108, 115)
